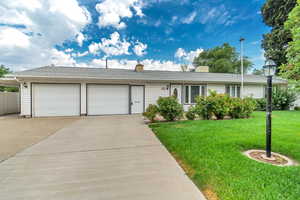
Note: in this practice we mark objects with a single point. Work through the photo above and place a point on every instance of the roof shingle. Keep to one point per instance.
(147, 75)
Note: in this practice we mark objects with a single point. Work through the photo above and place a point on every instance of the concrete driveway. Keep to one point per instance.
(97, 158)
(17, 134)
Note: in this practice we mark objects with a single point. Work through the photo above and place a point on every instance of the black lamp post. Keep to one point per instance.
(269, 71)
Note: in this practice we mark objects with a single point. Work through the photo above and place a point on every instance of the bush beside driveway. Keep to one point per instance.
(19, 133)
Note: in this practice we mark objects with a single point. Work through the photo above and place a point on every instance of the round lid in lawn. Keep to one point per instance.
(275, 159)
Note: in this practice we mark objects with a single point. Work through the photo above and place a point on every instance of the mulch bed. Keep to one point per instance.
(278, 160)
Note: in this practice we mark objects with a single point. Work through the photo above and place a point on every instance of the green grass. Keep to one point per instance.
(213, 150)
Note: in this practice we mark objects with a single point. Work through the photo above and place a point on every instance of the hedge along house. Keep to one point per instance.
(73, 91)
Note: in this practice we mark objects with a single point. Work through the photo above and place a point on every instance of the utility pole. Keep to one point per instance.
(242, 66)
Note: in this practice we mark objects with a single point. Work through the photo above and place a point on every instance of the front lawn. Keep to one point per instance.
(212, 151)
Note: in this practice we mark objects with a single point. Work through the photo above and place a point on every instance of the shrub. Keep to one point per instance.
(169, 108)
(203, 108)
(151, 112)
(214, 105)
(242, 108)
(283, 99)
(236, 108)
(219, 104)
(191, 113)
(261, 104)
(297, 108)
(249, 105)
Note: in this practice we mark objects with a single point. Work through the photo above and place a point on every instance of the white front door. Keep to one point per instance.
(176, 91)
(137, 99)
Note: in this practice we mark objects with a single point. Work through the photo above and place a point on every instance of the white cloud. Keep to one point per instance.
(46, 23)
(111, 47)
(189, 19)
(187, 56)
(174, 19)
(180, 53)
(93, 48)
(157, 23)
(61, 58)
(149, 64)
(69, 50)
(217, 15)
(81, 54)
(112, 11)
(140, 49)
(13, 38)
(80, 38)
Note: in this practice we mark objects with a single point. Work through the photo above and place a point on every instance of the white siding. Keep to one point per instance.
(255, 91)
(186, 107)
(9, 103)
(83, 98)
(25, 99)
(219, 88)
(155, 90)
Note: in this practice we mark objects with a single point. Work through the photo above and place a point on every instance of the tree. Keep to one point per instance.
(258, 72)
(291, 70)
(3, 70)
(184, 67)
(275, 13)
(222, 59)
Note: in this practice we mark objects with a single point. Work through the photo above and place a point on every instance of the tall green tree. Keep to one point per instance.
(4, 70)
(275, 13)
(291, 70)
(222, 59)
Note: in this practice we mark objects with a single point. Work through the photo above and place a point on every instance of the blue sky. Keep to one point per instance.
(160, 33)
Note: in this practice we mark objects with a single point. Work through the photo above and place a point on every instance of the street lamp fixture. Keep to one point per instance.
(269, 70)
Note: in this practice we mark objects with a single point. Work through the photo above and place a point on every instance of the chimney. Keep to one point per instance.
(202, 69)
(139, 67)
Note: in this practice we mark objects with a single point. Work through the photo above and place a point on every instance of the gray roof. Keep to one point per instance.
(147, 75)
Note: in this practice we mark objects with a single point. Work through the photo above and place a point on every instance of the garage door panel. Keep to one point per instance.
(108, 99)
(56, 100)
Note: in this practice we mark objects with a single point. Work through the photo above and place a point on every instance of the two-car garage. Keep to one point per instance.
(66, 99)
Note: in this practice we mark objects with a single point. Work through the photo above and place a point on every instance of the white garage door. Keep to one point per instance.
(56, 100)
(107, 99)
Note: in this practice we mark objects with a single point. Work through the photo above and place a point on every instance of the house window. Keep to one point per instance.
(193, 91)
(233, 90)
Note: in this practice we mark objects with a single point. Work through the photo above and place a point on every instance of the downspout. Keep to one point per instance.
(20, 97)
